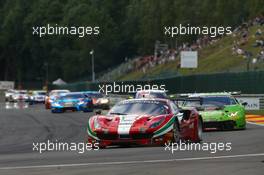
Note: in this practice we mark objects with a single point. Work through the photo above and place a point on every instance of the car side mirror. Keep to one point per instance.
(98, 112)
(172, 96)
(186, 114)
(244, 103)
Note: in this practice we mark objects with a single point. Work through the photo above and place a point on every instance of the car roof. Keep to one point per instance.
(39, 91)
(92, 92)
(72, 93)
(151, 90)
(148, 99)
(59, 90)
(21, 90)
(224, 94)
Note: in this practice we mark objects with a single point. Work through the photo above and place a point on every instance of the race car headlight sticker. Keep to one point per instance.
(96, 124)
(156, 124)
(142, 130)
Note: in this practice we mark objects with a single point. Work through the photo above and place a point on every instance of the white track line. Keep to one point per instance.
(130, 162)
(258, 124)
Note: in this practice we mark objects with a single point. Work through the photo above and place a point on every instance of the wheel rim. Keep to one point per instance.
(176, 132)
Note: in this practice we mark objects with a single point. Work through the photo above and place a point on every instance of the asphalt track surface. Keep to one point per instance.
(19, 128)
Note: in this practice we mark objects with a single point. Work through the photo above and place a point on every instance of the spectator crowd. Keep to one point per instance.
(241, 36)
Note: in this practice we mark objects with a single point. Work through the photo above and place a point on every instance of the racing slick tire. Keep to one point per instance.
(199, 130)
(176, 132)
(87, 139)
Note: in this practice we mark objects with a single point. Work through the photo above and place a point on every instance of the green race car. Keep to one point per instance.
(218, 110)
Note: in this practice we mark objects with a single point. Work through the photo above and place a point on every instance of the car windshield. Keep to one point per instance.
(210, 101)
(71, 96)
(58, 93)
(140, 108)
(21, 92)
(40, 93)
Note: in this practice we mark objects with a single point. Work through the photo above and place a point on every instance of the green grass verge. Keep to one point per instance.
(214, 58)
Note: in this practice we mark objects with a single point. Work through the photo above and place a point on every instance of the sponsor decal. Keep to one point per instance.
(5, 85)
(252, 102)
(125, 123)
(233, 114)
(165, 128)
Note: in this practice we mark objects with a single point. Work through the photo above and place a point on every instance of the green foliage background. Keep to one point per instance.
(127, 28)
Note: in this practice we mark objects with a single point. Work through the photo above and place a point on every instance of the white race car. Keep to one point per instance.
(38, 96)
(20, 95)
(9, 94)
(151, 94)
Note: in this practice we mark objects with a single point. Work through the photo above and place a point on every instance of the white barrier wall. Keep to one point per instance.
(4, 85)
(253, 103)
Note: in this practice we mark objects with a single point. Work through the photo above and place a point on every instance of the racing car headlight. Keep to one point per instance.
(96, 124)
(81, 102)
(104, 100)
(157, 123)
(56, 104)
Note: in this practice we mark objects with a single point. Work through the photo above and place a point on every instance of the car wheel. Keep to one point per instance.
(176, 132)
(200, 130)
(101, 146)
(11, 99)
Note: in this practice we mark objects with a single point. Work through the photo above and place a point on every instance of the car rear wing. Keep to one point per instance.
(210, 93)
(181, 100)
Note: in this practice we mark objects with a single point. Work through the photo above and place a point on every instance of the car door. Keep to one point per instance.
(186, 119)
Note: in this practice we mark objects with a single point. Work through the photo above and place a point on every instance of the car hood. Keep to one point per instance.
(39, 96)
(127, 124)
(68, 101)
(228, 112)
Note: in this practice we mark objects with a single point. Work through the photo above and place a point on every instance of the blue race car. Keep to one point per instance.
(74, 101)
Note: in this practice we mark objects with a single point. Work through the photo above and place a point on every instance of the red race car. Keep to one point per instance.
(144, 122)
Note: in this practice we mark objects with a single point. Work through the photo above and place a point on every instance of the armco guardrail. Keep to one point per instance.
(246, 82)
(255, 101)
